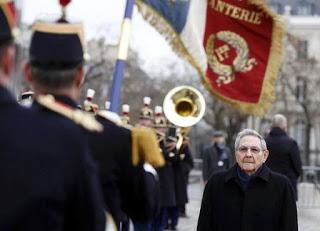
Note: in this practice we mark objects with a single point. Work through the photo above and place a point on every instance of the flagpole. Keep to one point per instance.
(122, 57)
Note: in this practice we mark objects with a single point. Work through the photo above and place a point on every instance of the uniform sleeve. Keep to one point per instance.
(295, 158)
(189, 157)
(289, 210)
(205, 216)
(205, 166)
(87, 212)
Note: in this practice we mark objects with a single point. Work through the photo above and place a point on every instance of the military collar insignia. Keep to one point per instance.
(77, 116)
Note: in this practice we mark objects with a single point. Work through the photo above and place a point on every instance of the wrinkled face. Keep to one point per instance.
(250, 155)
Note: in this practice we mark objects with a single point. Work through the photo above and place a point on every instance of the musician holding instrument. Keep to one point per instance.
(184, 106)
(165, 173)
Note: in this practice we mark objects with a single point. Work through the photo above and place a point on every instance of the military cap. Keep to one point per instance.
(7, 20)
(26, 95)
(159, 120)
(57, 45)
(146, 112)
(26, 98)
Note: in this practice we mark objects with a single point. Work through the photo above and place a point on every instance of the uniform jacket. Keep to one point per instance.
(47, 178)
(181, 167)
(284, 155)
(123, 185)
(267, 204)
(166, 178)
(212, 162)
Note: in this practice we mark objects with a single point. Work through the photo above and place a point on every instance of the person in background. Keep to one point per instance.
(249, 196)
(186, 164)
(216, 156)
(165, 173)
(284, 152)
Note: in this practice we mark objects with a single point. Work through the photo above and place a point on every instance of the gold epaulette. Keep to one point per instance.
(145, 147)
(79, 117)
(114, 118)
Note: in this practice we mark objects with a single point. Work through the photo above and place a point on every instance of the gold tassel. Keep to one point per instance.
(145, 147)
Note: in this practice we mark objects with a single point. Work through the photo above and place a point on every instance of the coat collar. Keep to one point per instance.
(5, 96)
(276, 131)
(66, 100)
(61, 99)
(262, 173)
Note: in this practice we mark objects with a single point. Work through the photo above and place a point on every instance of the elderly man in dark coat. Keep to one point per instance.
(249, 196)
(284, 152)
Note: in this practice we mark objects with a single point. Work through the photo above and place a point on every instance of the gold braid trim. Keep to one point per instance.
(61, 28)
(79, 117)
(145, 147)
(275, 57)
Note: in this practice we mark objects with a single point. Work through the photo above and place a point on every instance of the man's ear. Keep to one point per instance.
(27, 72)
(80, 77)
(265, 155)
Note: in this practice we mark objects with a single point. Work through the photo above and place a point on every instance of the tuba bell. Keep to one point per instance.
(184, 106)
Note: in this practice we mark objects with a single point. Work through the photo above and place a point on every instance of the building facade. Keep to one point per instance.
(297, 95)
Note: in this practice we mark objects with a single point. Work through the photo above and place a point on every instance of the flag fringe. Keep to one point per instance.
(267, 95)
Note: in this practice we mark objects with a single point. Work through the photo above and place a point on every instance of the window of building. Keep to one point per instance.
(301, 88)
(305, 8)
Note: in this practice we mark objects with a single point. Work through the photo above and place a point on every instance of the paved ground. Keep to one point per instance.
(308, 218)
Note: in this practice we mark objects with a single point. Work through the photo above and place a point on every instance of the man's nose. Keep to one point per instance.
(249, 152)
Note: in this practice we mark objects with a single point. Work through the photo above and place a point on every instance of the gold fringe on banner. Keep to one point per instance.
(267, 94)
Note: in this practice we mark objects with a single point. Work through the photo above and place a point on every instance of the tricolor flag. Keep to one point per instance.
(235, 45)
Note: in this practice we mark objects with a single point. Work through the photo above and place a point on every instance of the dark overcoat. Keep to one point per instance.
(267, 204)
(212, 162)
(166, 178)
(125, 187)
(183, 163)
(47, 178)
(284, 155)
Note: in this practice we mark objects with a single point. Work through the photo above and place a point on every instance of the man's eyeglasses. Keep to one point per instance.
(254, 150)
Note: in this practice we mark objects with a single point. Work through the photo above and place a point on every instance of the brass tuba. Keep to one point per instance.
(184, 106)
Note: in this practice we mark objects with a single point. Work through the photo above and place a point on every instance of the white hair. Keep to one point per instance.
(279, 120)
(250, 132)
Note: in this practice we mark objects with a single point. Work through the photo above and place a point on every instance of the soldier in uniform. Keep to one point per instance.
(125, 118)
(88, 104)
(146, 114)
(166, 175)
(186, 165)
(47, 179)
(122, 182)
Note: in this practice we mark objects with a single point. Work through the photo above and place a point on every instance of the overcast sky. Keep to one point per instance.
(103, 18)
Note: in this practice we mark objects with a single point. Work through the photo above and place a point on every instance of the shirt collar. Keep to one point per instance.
(262, 173)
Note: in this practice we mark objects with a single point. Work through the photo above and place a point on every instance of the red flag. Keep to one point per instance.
(243, 47)
(235, 45)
